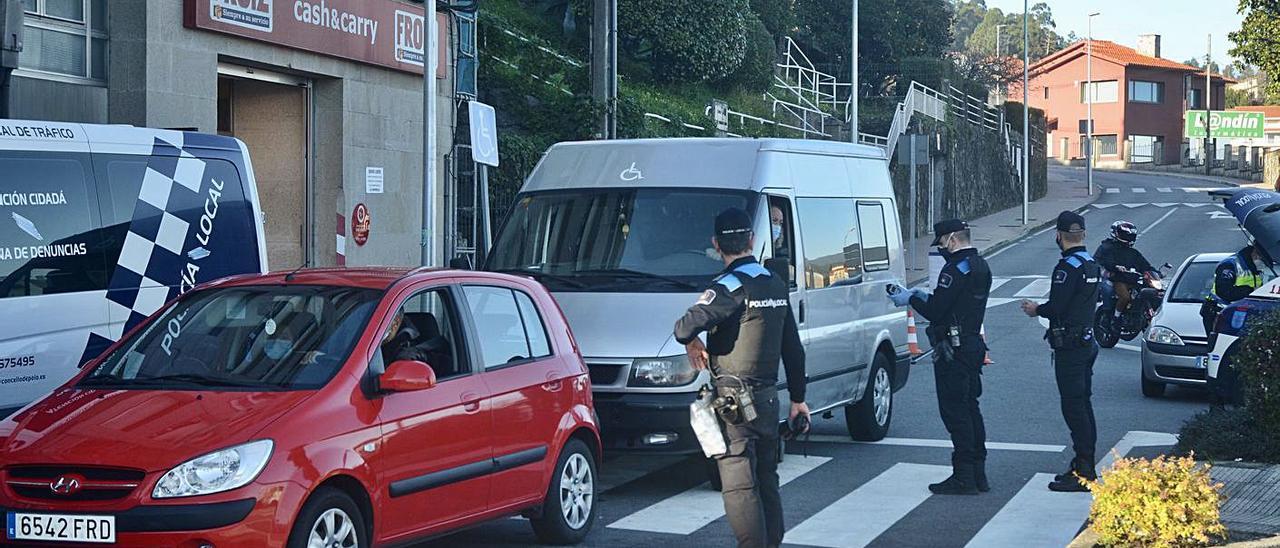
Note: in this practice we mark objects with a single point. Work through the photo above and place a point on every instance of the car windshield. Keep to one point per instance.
(255, 337)
(633, 240)
(1195, 284)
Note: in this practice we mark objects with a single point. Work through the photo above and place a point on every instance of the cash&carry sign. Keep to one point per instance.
(377, 32)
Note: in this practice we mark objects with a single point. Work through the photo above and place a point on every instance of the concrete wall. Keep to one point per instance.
(37, 99)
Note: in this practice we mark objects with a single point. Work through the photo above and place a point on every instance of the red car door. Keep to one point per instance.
(530, 393)
(436, 457)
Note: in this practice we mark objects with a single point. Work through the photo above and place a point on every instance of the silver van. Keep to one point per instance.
(620, 232)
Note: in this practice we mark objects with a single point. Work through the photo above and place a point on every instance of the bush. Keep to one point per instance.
(1258, 363)
(699, 41)
(756, 71)
(1166, 502)
(1228, 434)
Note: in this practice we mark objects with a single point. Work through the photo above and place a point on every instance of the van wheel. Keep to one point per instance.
(569, 509)
(1150, 388)
(868, 419)
(713, 473)
(329, 518)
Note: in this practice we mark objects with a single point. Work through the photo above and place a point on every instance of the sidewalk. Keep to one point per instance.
(1252, 493)
(1005, 227)
(1228, 181)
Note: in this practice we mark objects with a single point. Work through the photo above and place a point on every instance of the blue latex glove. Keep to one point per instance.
(901, 298)
(920, 294)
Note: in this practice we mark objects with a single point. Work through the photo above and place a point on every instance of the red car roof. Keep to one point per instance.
(372, 277)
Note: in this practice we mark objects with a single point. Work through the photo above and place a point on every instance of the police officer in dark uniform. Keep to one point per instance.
(746, 314)
(955, 312)
(1072, 298)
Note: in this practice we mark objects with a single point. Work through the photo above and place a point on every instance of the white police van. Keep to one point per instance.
(99, 227)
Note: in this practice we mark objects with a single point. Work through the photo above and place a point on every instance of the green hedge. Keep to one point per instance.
(687, 41)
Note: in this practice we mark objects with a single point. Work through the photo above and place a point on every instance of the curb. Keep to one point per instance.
(1217, 179)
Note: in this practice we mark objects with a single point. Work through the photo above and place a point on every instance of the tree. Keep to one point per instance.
(699, 41)
(778, 16)
(969, 14)
(1256, 42)
(980, 38)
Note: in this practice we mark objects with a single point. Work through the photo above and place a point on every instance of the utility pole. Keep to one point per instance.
(429, 178)
(604, 64)
(1089, 92)
(1209, 153)
(1026, 116)
(853, 76)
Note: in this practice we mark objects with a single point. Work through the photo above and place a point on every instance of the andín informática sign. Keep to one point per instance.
(1226, 124)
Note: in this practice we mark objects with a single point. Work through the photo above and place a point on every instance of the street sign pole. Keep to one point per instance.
(1026, 117)
(429, 181)
(853, 77)
(1208, 108)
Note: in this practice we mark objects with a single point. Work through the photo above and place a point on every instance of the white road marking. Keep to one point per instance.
(943, 444)
(1132, 439)
(1036, 516)
(1152, 226)
(1113, 190)
(1129, 347)
(685, 513)
(864, 514)
(1035, 289)
(994, 301)
(1164, 189)
(1139, 190)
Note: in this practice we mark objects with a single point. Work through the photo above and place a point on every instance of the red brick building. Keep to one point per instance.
(1139, 101)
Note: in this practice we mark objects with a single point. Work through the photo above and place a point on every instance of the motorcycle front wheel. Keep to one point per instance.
(1103, 329)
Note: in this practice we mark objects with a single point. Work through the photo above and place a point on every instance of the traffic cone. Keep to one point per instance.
(913, 343)
(986, 360)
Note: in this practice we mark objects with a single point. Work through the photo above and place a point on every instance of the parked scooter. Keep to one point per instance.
(1146, 291)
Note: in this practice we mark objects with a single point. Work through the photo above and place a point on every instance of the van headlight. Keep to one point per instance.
(662, 372)
(1163, 335)
(219, 471)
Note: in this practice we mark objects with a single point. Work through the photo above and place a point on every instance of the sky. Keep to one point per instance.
(1184, 25)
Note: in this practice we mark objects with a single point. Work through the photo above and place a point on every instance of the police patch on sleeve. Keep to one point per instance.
(707, 297)
(1059, 276)
(944, 280)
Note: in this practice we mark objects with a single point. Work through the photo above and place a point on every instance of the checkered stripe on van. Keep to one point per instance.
(152, 261)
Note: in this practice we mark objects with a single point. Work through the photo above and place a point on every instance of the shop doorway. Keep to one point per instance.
(271, 113)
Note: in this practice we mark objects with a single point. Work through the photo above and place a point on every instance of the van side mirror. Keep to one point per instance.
(407, 376)
(460, 263)
(780, 267)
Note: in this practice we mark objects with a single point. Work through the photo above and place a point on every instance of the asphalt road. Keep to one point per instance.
(846, 494)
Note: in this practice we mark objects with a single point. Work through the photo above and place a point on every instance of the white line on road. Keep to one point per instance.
(1036, 516)
(945, 444)
(1132, 439)
(1129, 347)
(693, 509)
(1113, 190)
(864, 514)
(1035, 289)
(993, 302)
(1139, 190)
(1164, 189)
(1152, 226)
(997, 282)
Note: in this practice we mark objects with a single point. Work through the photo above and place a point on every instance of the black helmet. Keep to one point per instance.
(1124, 232)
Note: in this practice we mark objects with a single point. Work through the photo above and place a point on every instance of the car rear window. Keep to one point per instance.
(1195, 283)
(257, 337)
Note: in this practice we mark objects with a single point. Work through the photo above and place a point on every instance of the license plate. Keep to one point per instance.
(62, 528)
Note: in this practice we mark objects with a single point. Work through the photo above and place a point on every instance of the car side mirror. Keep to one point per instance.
(407, 376)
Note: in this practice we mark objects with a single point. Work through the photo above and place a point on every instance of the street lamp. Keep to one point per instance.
(1026, 117)
(1088, 91)
(853, 76)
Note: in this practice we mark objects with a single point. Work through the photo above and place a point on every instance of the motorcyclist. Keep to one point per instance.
(1123, 266)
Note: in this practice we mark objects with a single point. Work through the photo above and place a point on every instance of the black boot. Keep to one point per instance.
(980, 476)
(960, 483)
(1073, 480)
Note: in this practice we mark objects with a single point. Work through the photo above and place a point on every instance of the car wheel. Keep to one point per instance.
(1105, 328)
(569, 509)
(1150, 388)
(329, 518)
(712, 467)
(868, 419)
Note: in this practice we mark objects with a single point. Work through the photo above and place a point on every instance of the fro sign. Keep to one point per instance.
(1226, 124)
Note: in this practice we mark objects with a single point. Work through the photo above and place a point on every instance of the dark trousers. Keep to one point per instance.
(959, 385)
(749, 476)
(1073, 369)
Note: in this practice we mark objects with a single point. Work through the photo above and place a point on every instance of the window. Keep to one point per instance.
(465, 81)
(780, 213)
(1146, 148)
(832, 252)
(1046, 92)
(66, 38)
(539, 346)
(425, 330)
(1195, 99)
(503, 330)
(1103, 92)
(1146, 92)
(50, 241)
(875, 239)
(1106, 144)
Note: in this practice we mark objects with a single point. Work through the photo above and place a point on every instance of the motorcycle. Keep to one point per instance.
(1146, 291)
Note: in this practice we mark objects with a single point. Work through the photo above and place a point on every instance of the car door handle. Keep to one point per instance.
(801, 318)
(470, 403)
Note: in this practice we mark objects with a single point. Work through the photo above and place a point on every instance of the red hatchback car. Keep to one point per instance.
(331, 408)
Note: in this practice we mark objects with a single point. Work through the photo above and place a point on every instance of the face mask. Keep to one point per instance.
(777, 232)
(277, 349)
(944, 248)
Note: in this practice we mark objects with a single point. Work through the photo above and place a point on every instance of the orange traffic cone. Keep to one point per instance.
(913, 343)
(986, 360)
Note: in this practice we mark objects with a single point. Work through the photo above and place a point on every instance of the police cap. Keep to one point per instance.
(732, 221)
(1070, 221)
(947, 227)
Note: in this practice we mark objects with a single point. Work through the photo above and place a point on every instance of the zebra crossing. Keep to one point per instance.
(1029, 515)
(1159, 190)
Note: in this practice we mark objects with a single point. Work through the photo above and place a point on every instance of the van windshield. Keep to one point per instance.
(257, 338)
(615, 240)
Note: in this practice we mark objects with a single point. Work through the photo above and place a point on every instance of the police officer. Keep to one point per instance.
(1072, 298)
(746, 314)
(955, 312)
(1235, 278)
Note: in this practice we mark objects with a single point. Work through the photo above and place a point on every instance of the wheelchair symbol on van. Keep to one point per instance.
(631, 174)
